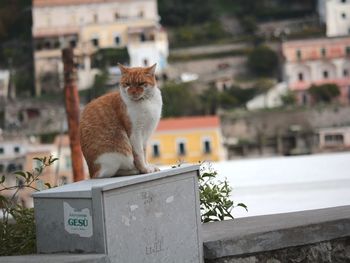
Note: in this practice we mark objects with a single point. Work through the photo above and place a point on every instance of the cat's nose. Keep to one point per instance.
(134, 90)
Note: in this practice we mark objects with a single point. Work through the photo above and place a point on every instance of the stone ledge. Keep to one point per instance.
(271, 232)
(57, 258)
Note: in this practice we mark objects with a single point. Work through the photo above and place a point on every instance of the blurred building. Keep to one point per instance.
(90, 25)
(63, 166)
(18, 155)
(335, 14)
(12, 156)
(317, 61)
(334, 138)
(186, 139)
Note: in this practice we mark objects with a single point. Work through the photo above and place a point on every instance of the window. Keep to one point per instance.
(142, 37)
(117, 40)
(334, 139)
(325, 74)
(145, 62)
(207, 146)
(301, 76)
(16, 149)
(47, 45)
(181, 148)
(155, 150)
(141, 14)
(305, 99)
(57, 44)
(95, 18)
(298, 54)
(116, 16)
(343, 1)
(343, 15)
(2, 150)
(347, 49)
(349, 93)
(95, 42)
(11, 168)
(346, 72)
(2, 168)
(20, 183)
(323, 52)
(73, 43)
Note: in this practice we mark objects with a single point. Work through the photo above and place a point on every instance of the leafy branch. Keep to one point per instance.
(18, 234)
(215, 202)
(214, 195)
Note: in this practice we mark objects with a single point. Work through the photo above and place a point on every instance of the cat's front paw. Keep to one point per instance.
(152, 169)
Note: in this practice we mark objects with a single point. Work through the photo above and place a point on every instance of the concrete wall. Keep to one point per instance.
(336, 250)
(277, 132)
(309, 236)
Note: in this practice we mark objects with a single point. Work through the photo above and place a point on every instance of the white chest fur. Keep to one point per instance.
(144, 114)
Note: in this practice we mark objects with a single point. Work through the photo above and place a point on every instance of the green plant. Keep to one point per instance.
(17, 227)
(215, 202)
(179, 100)
(263, 62)
(325, 92)
(288, 99)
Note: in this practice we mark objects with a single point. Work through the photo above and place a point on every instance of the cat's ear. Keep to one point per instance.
(152, 69)
(122, 68)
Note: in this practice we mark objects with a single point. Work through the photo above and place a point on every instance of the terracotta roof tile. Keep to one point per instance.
(188, 123)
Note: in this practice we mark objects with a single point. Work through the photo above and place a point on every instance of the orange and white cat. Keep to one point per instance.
(115, 128)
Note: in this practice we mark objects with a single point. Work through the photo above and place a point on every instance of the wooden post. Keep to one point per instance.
(72, 110)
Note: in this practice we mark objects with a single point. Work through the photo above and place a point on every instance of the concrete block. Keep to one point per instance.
(143, 218)
(54, 258)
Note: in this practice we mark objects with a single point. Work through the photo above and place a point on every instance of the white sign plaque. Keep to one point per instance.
(77, 221)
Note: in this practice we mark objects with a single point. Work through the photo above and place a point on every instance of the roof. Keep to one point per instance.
(318, 40)
(39, 3)
(188, 123)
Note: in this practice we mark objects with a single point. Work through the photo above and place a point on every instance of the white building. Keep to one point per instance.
(152, 49)
(90, 25)
(12, 156)
(271, 99)
(335, 14)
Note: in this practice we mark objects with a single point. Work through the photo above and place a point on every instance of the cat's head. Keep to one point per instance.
(137, 83)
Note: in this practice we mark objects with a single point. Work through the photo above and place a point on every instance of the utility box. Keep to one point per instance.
(142, 218)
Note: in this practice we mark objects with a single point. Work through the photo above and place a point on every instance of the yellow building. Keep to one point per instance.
(186, 139)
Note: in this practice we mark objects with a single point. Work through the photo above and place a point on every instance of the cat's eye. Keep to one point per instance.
(143, 84)
(127, 84)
